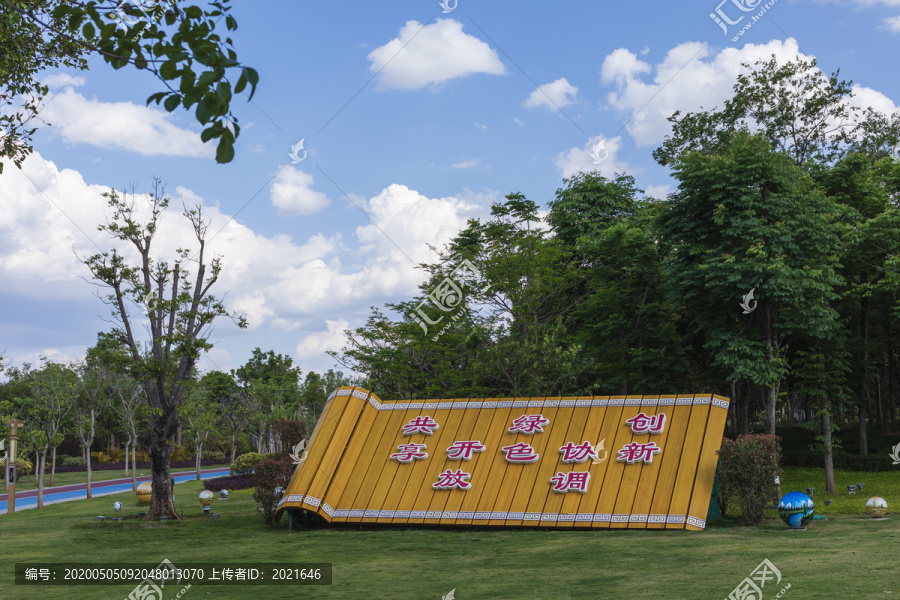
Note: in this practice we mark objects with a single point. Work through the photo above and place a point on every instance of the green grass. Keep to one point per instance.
(28, 482)
(847, 556)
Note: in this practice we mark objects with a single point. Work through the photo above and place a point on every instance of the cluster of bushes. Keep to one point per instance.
(230, 482)
(802, 449)
(747, 469)
(23, 467)
(245, 463)
(112, 466)
(272, 477)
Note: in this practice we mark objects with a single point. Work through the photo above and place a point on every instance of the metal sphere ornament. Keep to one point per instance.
(796, 509)
(876, 507)
(117, 506)
(223, 494)
(144, 492)
(206, 498)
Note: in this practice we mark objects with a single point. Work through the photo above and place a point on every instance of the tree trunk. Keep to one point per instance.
(892, 370)
(233, 448)
(199, 454)
(745, 409)
(134, 466)
(127, 454)
(88, 471)
(161, 504)
(826, 430)
(42, 461)
(53, 467)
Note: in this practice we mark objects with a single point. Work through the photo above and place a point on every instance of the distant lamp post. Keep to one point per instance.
(851, 489)
(809, 491)
(859, 486)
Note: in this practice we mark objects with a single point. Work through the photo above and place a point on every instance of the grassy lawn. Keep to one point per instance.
(28, 482)
(847, 556)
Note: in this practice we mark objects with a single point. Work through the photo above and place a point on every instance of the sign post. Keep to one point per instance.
(11, 466)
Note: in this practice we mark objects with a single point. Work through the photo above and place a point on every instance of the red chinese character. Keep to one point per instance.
(463, 450)
(425, 425)
(642, 423)
(572, 481)
(529, 424)
(577, 454)
(634, 452)
(520, 453)
(450, 480)
(408, 452)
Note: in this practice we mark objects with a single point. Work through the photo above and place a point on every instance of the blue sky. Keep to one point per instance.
(413, 121)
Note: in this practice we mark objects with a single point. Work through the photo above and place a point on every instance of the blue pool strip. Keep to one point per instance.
(53, 498)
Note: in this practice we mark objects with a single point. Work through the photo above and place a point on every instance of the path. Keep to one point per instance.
(78, 491)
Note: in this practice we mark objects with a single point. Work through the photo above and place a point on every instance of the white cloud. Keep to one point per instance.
(120, 125)
(865, 97)
(554, 95)
(518, 122)
(893, 24)
(480, 126)
(579, 160)
(432, 54)
(689, 78)
(658, 191)
(466, 164)
(316, 344)
(292, 194)
(58, 80)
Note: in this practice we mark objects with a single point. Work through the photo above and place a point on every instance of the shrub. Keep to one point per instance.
(272, 474)
(180, 454)
(747, 469)
(61, 457)
(230, 483)
(72, 461)
(142, 456)
(100, 457)
(23, 467)
(243, 464)
(216, 455)
(116, 454)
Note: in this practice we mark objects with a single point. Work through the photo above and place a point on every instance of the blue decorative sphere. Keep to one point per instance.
(796, 509)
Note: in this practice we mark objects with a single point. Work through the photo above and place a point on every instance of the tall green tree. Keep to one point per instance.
(173, 41)
(179, 320)
(273, 383)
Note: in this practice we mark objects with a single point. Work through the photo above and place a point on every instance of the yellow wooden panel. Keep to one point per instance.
(336, 495)
(433, 501)
(593, 433)
(318, 446)
(363, 463)
(687, 466)
(612, 483)
(423, 472)
(468, 431)
(517, 499)
(394, 475)
(676, 425)
(643, 495)
(556, 500)
(611, 419)
(555, 434)
(381, 464)
(483, 476)
(706, 471)
(353, 406)
(631, 474)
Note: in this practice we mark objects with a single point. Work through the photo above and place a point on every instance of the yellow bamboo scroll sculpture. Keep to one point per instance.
(643, 462)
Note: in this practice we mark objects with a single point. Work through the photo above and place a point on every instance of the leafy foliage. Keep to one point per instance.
(748, 466)
(272, 477)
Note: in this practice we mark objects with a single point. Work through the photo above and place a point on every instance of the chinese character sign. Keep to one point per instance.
(420, 424)
(520, 453)
(449, 480)
(644, 424)
(410, 452)
(574, 481)
(462, 450)
(577, 454)
(529, 424)
(635, 453)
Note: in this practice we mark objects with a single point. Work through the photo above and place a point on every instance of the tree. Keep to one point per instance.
(235, 409)
(201, 413)
(53, 388)
(179, 320)
(751, 219)
(87, 405)
(273, 383)
(172, 40)
(128, 398)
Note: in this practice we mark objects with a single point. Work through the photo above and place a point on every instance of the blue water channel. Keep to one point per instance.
(52, 498)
